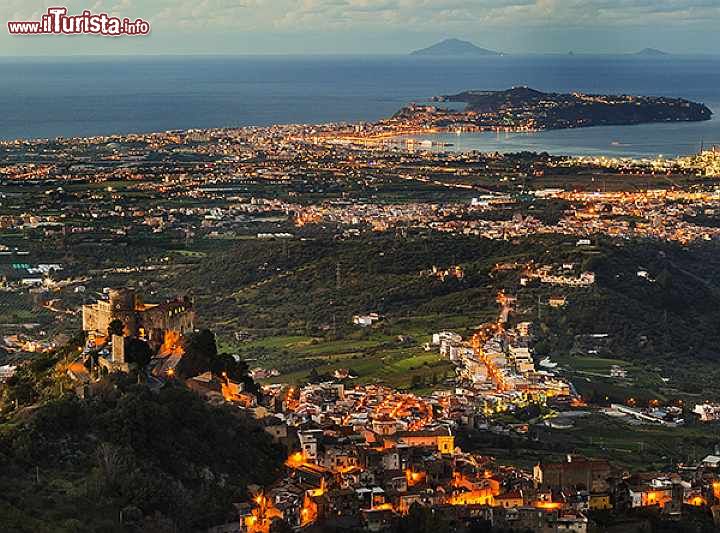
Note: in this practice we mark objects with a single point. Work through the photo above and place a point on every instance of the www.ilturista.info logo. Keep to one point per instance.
(57, 22)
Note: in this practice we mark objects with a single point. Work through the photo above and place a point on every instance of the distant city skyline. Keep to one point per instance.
(380, 26)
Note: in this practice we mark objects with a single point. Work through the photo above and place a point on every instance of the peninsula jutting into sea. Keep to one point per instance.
(520, 109)
(526, 108)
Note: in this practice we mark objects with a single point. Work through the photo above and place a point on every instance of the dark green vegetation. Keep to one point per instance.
(295, 301)
(305, 286)
(289, 304)
(669, 323)
(124, 459)
(648, 520)
(635, 447)
(426, 520)
(201, 355)
(577, 110)
(370, 357)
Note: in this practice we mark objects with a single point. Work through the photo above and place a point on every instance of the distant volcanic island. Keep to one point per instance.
(454, 47)
(525, 109)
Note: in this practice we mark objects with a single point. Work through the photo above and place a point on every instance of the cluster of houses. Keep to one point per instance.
(6, 372)
(497, 366)
(365, 321)
(443, 274)
(706, 162)
(21, 342)
(567, 275)
(18, 275)
(362, 457)
(670, 416)
(708, 412)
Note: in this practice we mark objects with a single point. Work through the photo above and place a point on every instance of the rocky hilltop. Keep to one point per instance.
(523, 107)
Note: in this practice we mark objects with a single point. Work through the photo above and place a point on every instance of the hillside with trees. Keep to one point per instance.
(125, 458)
(306, 287)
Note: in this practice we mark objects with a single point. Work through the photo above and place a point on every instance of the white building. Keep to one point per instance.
(365, 320)
(709, 412)
(437, 338)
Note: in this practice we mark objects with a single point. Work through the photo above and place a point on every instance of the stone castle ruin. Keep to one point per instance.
(159, 324)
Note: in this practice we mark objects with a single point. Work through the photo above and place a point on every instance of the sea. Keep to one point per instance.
(86, 96)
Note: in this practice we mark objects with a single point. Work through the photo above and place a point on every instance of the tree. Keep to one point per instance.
(421, 520)
(111, 464)
(137, 351)
(480, 525)
(313, 377)
(116, 327)
(19, 390)
(200, 350)
(664, 279)
(416, 382)
(236, 369)
(226, 364)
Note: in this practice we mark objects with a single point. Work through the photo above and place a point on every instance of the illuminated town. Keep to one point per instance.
(360, 453)
(360, 266)
(365, 455)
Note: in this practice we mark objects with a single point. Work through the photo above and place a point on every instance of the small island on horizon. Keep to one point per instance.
(526, 109)
(454, 47)
(652, 52)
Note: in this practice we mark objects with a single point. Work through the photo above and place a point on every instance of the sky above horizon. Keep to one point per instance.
(379, 26)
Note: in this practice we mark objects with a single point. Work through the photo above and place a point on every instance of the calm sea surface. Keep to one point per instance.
(79, 97)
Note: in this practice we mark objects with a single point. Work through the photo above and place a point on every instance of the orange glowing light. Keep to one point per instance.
(383, 507)
(171, 344)
(309, 511)
(475, 497)
(414, 478)
(296, 459)
(548, 506)
(697, 501)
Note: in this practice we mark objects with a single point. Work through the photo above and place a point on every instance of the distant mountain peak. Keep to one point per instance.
(454, 47)
(651, 52)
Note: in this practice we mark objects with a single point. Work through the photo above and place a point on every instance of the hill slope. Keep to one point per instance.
(165, 461)
(674, 318)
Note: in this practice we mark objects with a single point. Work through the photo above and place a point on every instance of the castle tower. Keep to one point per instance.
(118, 349)
(122, 307)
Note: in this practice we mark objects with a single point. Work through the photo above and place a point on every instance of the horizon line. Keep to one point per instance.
(497, 55)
